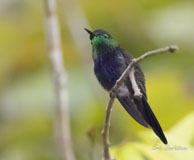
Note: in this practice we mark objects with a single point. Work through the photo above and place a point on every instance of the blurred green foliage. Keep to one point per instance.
(180, 145)
(26, 89)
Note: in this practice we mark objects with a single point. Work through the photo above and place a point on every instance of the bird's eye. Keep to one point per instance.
(105, 35)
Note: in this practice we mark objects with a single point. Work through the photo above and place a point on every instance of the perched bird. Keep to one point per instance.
(110, 60)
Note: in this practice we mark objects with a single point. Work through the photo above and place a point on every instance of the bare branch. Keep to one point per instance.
(105, 131)
(119, 82)
(129, 71)
(62, 124)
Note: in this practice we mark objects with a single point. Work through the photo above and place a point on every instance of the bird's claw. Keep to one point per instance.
(112, 93)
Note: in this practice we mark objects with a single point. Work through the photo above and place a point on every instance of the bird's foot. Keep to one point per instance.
(112, 93)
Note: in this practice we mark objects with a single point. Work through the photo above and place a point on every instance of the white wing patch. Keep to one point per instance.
(123, 91)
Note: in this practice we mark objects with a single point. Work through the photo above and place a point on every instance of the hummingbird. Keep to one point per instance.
(110, 60)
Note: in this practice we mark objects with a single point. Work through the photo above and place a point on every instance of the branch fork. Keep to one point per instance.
(129, 71)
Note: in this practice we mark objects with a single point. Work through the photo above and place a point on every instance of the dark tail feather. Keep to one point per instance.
(142, 113)
(153, 121)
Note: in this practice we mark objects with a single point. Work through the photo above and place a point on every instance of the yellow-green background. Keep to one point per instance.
(26, 89)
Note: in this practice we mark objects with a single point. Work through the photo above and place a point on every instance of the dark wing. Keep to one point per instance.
(139, 76)
(133, 110)
(139, 108)
(140, 80)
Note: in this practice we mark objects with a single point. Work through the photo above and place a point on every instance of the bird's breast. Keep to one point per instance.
(107, 70)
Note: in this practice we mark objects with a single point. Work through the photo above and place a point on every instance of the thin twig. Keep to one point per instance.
(62, 124)
(105, 131)
(137, 92)
(114, 90)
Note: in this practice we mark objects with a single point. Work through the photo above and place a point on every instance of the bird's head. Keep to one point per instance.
(101, 39)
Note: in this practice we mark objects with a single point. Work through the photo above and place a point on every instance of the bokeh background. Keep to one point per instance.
(26, 86)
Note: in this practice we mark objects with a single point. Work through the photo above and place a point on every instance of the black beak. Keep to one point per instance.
(90, 33)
